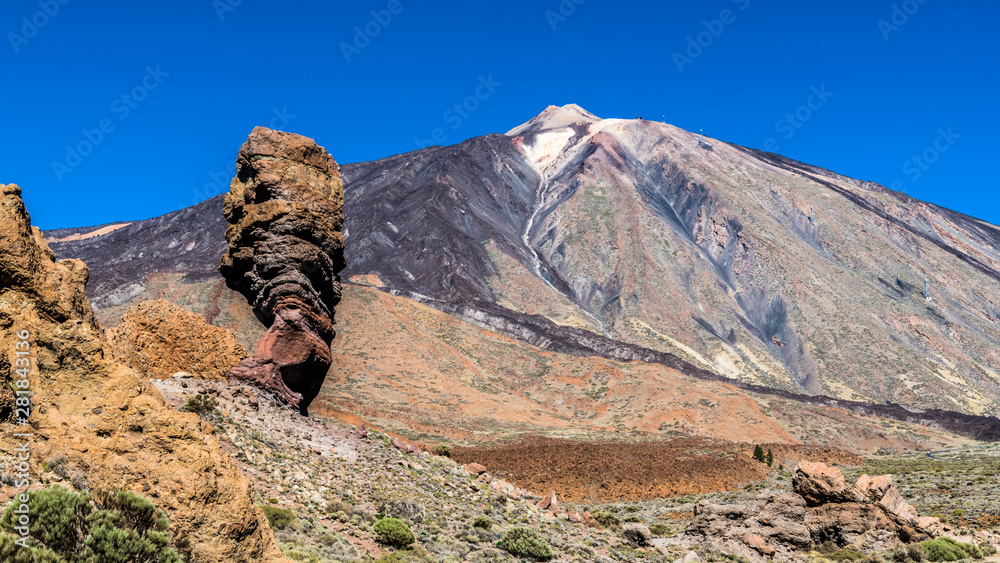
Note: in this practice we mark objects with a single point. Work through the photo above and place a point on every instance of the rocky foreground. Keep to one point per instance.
(336, 480)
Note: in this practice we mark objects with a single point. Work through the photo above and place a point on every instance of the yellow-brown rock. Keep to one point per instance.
(159, 339)
(111, 424)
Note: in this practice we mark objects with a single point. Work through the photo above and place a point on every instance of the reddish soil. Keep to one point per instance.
(603, 471)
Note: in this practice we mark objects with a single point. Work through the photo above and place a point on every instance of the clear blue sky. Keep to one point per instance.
(195, 84)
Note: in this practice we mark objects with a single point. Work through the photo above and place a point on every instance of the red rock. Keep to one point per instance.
(285, 211)
(590, 521)
(757, 543)
(574, 517)
(475, 468)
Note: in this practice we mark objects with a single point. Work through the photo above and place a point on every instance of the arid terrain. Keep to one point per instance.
(563, 343)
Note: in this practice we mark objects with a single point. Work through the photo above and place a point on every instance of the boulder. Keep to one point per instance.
(589, 521)
(285, 212)
(758, 544)
(637, 535)
(549, 503)
(883, 491)
(823, 508)
(819, 483)
(475, 469)
(159, 339)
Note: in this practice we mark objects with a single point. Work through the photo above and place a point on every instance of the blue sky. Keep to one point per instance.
(128, 110)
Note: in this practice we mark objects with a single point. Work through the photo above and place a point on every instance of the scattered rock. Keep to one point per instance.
(823, 508)
(406, 509)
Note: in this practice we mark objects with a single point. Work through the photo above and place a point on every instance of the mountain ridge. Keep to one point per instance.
(439, 222)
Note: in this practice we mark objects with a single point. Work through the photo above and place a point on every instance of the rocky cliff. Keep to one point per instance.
(114, 429)
(285, 212)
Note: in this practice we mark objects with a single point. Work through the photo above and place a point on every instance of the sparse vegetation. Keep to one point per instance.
(947, 549)
(482, 522)
(108, 527)
(525, 542)
(279, 518)
(393, 532)
(200, 404)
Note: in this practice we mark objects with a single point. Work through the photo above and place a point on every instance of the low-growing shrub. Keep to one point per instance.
(393, 532)
(110, 527)
(482, 522)
(659, 529)
(443, 450)
(200, 404)
(911, 553)
(279, 518)
(947, 549)
(607, 520)
(525, 542)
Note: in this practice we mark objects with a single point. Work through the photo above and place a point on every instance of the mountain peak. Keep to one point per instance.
(555, 117)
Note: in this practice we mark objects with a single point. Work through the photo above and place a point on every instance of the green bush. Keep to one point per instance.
(111, 527)
(845, 554)
(200, 404)
(607, 520)
(911, 553)
(947, 549)
(279, 518)
(482, 522)
(659, 529)
(10, 552)
(393, 532)
(525, 542)
(443, 450)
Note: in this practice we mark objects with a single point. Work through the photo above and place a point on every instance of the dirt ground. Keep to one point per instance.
(604, 471)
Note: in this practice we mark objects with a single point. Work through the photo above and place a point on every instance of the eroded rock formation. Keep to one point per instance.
(822, 508)
(158, 339)
(285, 211)
(115, 429)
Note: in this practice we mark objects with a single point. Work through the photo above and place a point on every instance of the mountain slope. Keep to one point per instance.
(740, 262)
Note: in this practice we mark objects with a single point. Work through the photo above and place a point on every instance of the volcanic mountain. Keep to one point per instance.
(633, 240)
